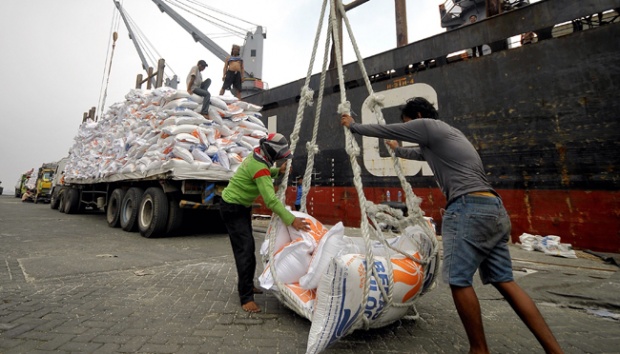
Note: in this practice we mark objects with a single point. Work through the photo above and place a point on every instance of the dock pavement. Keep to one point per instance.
(71, 284)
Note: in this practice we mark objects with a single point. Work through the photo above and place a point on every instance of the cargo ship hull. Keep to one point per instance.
(544, 117)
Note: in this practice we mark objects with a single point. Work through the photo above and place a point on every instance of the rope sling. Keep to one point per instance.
(371, 214)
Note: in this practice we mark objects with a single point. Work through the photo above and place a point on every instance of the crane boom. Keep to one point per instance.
(195, 32)
(145, 64)
(251, 51)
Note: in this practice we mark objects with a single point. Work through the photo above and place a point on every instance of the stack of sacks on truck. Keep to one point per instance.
(321, 275)
(159, 130)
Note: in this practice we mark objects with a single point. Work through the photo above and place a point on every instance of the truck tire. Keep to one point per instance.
(113, 211)
(61, 200)
(129, 209)
(153, 213)
(54, 199)
(72, 201)
(175, 215)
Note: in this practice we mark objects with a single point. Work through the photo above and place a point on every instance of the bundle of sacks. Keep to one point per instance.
(321, 275)
(550, 245)
(159, 130)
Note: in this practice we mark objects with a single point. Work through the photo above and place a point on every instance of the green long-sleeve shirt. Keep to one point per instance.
(254, 178)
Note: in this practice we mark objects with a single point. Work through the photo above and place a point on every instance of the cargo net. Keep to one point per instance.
(350, 294)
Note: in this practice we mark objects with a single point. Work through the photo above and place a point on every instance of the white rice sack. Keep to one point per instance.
(338, 303)
(253, 142)
(201, 165)
(331, 244)
(246, 106)
(215, 116)
(194, 97)
(176, 129)
(212, 151)
(176, 163)
(317, 229)
(182, 153)
(180, 120)
(227, 98)
(219, 103)
(186, 137)
(291, 263)
(233, 109)
(179, 94)
(304, 299)
(251, 126)
(222, 159)
(200, 155)
(180, 103)
(282, 237)
(234, 158)
(223, 130)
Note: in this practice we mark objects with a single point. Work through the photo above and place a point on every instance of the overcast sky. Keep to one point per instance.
(55, 55)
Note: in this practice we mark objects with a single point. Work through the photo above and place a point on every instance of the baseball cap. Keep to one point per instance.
(202, 62)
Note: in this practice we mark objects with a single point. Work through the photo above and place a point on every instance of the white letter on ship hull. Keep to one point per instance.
(383, 166)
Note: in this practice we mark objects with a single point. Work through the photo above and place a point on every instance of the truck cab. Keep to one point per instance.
(44, 183)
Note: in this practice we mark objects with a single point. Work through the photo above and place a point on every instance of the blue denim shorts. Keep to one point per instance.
(475, 233)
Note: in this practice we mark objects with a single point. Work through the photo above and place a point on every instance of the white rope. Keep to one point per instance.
(306, 99)
(371, 214)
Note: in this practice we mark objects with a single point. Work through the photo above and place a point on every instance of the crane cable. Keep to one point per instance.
(217, 22)
(108, 65)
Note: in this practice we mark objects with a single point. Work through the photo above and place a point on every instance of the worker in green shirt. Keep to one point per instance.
(254, 177)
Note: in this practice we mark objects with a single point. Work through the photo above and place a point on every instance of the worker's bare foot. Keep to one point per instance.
(256, 290)
(250, 307)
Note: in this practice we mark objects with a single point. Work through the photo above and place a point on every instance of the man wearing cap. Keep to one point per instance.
(199, 87)
(254, 178)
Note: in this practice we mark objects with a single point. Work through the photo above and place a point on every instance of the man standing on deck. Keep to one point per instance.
(233, 72)
(475, 228)
(199, 87)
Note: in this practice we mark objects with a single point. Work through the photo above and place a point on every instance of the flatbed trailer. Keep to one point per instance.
(153, 203)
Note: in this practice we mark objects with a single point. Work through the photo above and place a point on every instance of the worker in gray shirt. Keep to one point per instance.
(475, 227)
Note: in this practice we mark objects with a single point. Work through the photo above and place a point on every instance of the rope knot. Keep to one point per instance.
(307, 94)
(312, 148)
(344, 108)
(375, 101)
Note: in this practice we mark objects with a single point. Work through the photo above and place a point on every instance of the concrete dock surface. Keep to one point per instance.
(71, 284)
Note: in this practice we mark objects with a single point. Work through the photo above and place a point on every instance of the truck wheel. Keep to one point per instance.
(55, 200)
(153, 213)
(175, 215)
(129, 209)
(61, 200)
(113, 214)
(72, 201)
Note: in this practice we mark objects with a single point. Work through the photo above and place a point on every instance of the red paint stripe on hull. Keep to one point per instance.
(584, 219)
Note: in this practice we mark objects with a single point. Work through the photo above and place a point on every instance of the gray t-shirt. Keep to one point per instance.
(453, 159)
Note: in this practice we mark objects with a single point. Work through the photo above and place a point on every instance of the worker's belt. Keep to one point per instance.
(482, 194)
(475, 194)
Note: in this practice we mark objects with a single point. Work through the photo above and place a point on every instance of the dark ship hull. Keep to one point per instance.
(545, 118)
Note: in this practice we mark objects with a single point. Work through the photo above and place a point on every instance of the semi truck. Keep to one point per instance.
(152, 160)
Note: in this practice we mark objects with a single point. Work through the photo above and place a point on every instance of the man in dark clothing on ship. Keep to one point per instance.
(233, 72)
(199, 87)
(475, 228)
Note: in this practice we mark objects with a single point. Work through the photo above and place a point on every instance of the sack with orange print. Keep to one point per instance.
(338, 303)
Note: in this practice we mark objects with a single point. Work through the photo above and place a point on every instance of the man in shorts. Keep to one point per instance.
(233, 72)
(475, 227)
